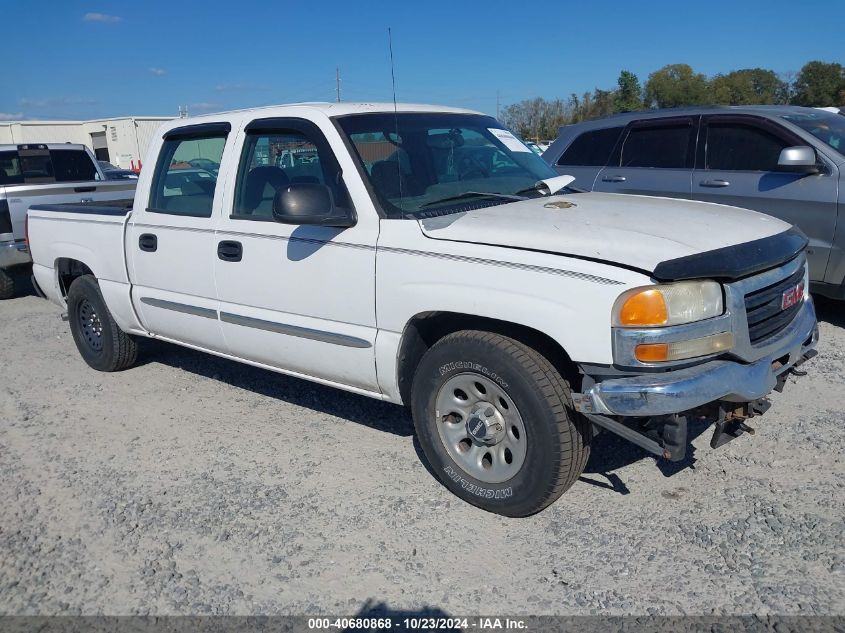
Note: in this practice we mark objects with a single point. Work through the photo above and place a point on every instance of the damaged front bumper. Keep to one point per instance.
(677, 391)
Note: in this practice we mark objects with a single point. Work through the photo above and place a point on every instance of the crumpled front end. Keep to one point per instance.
(770, 341)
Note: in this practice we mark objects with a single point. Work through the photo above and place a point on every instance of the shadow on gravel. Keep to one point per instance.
(23, 282)
(381, 416)
(830, 311)
(415, 620)
(610, 452)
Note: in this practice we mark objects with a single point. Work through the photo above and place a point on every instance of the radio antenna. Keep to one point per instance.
(395, 112)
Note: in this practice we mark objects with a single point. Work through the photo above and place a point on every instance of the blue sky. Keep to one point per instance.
(68, 59)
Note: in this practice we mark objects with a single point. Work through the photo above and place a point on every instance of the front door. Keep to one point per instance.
(297, 298)
(171, 242)
(738, 166)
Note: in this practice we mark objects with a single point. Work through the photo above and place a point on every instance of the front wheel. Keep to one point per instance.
(101, 343)
(495, 421)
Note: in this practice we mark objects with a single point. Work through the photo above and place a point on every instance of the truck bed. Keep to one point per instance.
(97, 207)
(91, 233)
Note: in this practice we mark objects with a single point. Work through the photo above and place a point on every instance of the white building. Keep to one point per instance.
(122, 141)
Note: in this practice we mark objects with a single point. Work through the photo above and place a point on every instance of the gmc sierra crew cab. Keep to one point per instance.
(48, 174)
(425, 256)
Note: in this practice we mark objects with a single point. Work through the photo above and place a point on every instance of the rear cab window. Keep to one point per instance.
(592, 148)
(180, 188)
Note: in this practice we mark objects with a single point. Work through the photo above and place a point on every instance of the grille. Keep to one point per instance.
(763, 308)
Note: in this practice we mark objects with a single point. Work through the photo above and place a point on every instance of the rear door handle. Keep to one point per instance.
(148, 242)
(84, 189)
(613, 179)
(715, 183)
(230, 251)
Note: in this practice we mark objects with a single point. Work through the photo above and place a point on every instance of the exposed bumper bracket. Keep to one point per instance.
(680, 390)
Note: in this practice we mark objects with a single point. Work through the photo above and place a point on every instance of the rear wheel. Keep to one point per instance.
(495, 420)
(7, 285)
(101, 343)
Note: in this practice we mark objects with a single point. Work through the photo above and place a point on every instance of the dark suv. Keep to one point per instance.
(781, 160)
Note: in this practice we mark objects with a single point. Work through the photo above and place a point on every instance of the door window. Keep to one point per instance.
(72, 165)
(733, 146)
(591, 149)
(273, 160)
(181, 188)
(10, 169)
(662, 145)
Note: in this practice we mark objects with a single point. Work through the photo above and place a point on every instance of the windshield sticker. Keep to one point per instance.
(509, 140)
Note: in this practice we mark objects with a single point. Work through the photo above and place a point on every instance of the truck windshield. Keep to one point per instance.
(427, 162)
(825, 126)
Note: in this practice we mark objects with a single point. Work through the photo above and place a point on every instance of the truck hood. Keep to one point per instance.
(632, 231)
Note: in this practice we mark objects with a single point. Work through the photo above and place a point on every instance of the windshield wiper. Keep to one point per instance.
(474, 194)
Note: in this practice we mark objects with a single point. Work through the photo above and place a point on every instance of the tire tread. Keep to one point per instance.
(124, 347)
(573, 429)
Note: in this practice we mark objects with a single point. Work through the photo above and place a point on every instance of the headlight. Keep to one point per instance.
(668, 304)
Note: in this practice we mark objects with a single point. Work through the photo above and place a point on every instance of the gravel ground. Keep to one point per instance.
(191, 484)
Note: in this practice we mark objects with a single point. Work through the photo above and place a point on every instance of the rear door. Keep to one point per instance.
(587, 154)
(170, 241)
(737, 165)
(655, 158)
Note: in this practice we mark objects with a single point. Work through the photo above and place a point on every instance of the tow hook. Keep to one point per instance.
(731, 423)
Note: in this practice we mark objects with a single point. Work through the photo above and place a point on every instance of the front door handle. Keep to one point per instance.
(613, 179)
(230, 251)
(148, 242)
(715, 183)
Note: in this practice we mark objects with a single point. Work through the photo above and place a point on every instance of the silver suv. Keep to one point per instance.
(781, 160)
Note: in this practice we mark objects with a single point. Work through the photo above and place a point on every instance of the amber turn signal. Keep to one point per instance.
(647, 307)
(680, 350)
(652, 352)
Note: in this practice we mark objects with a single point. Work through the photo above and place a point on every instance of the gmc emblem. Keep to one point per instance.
(792, 296)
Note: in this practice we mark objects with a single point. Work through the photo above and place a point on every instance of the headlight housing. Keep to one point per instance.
(662, 305)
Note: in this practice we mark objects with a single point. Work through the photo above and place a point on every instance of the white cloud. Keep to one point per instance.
(54, 102)
(158, 72)
(204, 106)
(101, 17)
(240, 87)
(11, 116)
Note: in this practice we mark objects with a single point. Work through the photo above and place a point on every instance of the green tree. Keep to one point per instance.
(747, 87)
(629, 96)
(676, 85)
(819, 84)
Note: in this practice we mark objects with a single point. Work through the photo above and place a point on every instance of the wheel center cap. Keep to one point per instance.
(484, 424)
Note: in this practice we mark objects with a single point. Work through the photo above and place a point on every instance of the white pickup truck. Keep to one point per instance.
(424, 256)
(39, 173)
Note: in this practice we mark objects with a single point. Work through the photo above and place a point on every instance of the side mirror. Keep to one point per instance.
(309, 203)
(801, 159)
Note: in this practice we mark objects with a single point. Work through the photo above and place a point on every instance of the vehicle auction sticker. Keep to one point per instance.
(510, 141)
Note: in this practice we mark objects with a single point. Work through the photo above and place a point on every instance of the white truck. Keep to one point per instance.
(424, 256)
(46, 174)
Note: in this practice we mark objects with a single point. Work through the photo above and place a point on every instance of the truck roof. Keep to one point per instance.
(334, 109)
(11, 147)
